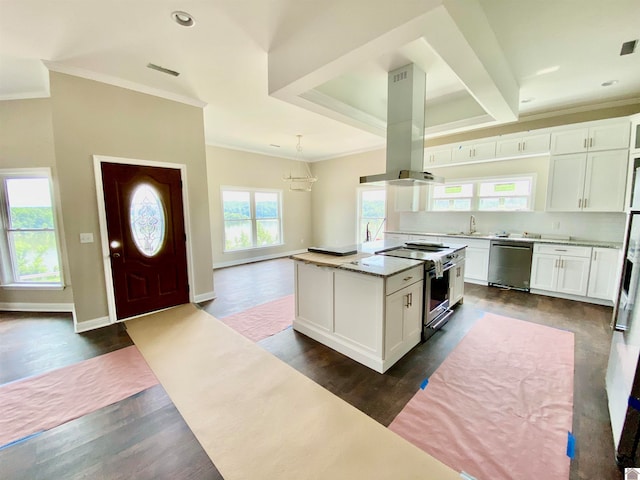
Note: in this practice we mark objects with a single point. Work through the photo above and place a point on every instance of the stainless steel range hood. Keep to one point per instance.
(405, 130)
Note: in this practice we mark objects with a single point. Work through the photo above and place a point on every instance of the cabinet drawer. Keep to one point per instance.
(564, 250)
(469, 242)
(403, 279)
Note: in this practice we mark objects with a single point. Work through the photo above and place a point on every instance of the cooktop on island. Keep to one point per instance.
(338, 251)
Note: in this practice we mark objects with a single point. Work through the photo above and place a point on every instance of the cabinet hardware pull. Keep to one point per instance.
(519, 149)
(584, 144)
(561, 263)
(591, 142)
(584, 204)
(579, 203)
(595, 255)
(560, 249)
(406, 279)
(411, 299)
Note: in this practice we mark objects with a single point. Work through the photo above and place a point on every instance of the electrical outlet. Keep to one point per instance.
(86, 238)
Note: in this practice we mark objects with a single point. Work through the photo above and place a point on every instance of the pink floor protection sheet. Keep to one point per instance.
(41, 402)
(260, 322)
(500, 406)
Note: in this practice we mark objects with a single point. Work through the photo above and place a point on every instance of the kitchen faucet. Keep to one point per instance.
(472, 224)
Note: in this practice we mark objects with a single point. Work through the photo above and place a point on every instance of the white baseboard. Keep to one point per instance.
(92, 324)
(595, 301)
(204, 297)
(36, 307)
(260, 258)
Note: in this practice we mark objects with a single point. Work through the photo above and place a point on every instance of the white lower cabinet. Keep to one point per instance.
(403, 321)
(603, 278)
(476, 268)
(371, 319)
(560, 268)
(314, 295)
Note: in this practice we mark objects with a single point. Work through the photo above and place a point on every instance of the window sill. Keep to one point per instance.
(32, 286)
(249, 249)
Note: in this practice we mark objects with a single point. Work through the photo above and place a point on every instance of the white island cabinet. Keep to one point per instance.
(374, 319)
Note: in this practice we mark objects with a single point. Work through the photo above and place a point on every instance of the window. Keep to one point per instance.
(28, 247)
(252, 218)
(485, 194)
(453, 197)
(371, 213)
(507, 195)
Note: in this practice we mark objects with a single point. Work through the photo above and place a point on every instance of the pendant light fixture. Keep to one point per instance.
(303, 182)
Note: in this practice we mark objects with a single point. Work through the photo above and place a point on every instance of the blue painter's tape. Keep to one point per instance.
(424, 384)
(20, 440)
(571, 445)
(634, 403)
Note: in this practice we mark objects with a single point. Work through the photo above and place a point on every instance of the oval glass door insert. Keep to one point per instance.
(147, 220)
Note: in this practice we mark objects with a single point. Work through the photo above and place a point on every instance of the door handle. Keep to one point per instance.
(116, 255)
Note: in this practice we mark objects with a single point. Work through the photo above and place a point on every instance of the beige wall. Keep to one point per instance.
(26, 141)
(335, 199)
(91, 118)
(242, 169)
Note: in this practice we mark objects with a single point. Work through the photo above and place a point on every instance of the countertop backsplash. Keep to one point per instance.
(605, 227)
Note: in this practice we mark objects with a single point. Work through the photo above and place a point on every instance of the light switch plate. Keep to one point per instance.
(86, 238)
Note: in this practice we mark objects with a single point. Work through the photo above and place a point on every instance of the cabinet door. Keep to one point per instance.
(403, 320)
(509, 147)
(482, 151)
(566, 183)
(477, 264)
(570, 141)
(573, 275)
(605, 181)
(314, 295)
(609, 137)
(544, 271)
(456, 283)
(406, 198)
(437, 157)
(603, 276)
(535, 144)
(461, 153)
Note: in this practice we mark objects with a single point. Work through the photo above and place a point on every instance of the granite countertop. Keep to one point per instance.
(361, 262)
(520, 238)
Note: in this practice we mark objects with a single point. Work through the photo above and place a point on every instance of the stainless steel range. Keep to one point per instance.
(439, 260)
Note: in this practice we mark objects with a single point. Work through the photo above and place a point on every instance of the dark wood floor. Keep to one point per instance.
(145, 437)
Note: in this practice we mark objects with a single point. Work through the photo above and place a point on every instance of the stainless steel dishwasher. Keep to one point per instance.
(510, 264)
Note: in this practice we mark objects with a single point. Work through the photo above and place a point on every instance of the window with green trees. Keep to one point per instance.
(251, 218)
(371, 214)
(28, 248)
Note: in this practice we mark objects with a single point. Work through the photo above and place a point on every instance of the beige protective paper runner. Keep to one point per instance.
(256, 417)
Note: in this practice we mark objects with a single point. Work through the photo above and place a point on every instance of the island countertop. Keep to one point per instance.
(362, 262)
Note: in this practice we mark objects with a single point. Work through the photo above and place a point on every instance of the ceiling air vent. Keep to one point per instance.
(628, 47)
(162, 69)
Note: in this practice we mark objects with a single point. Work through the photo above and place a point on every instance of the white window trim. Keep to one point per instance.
(254, 229)
(475, 200)
(7, 276)
(360, 191)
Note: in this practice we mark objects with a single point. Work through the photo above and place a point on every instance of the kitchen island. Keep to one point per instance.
(365, 306)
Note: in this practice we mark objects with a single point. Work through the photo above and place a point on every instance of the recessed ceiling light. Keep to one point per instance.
(608, 83)
(527, 100)
(544, 71)
(183, 18)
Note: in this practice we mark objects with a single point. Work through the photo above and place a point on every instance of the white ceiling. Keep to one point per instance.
(271, 69)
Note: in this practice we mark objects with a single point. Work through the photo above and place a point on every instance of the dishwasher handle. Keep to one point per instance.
(514, 247)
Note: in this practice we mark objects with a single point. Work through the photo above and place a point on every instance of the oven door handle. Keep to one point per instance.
(447, 266)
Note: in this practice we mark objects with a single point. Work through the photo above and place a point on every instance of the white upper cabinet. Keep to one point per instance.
(592, 182)
(522, 145)
(473, 151)
(606, 136)
(437, 156)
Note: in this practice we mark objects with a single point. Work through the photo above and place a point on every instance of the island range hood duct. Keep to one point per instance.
(405, 130)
